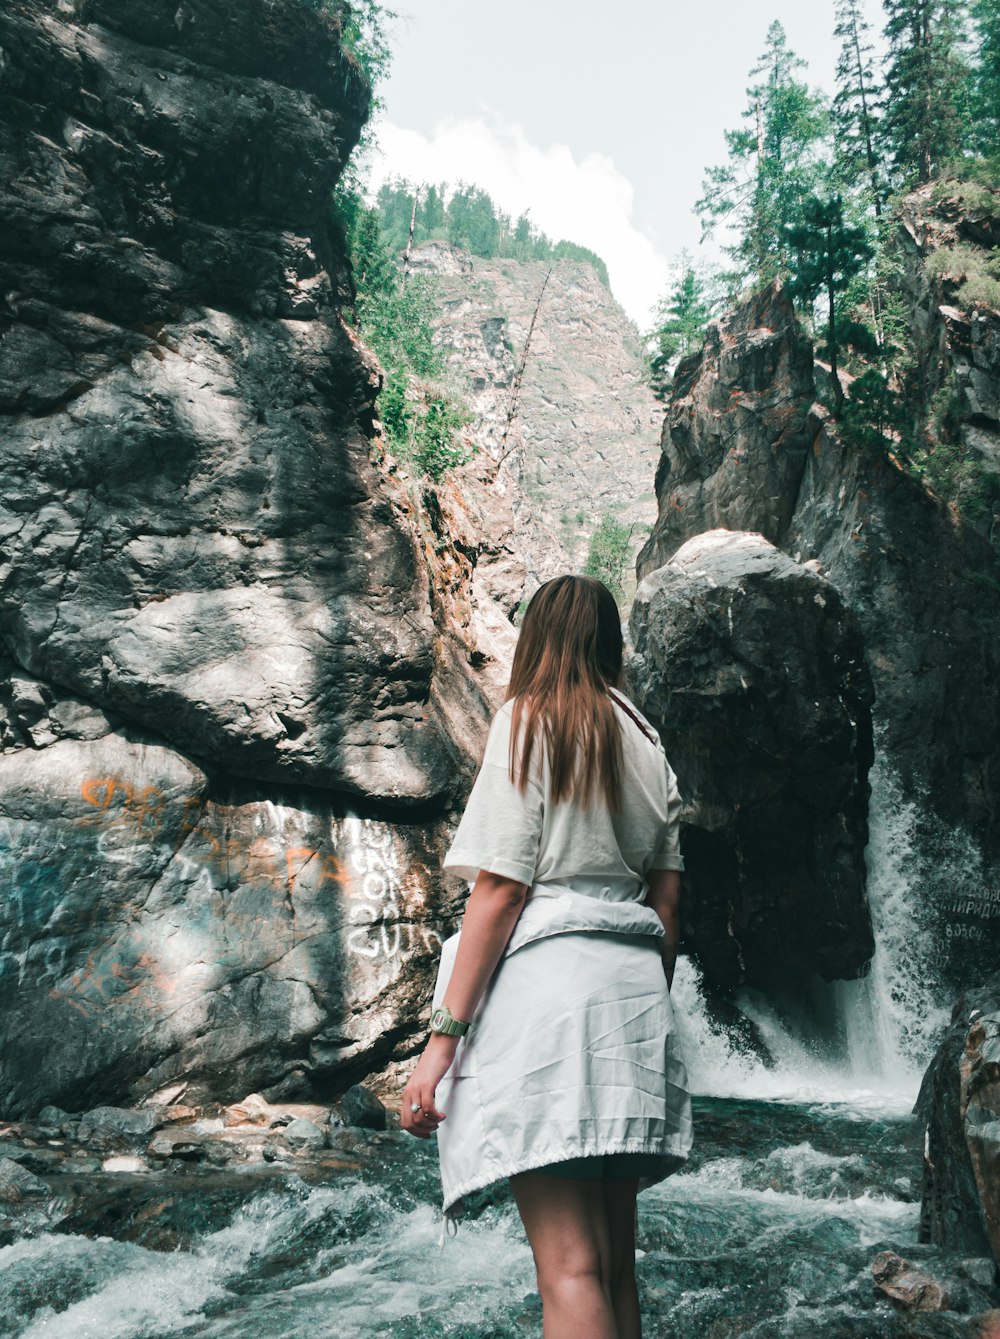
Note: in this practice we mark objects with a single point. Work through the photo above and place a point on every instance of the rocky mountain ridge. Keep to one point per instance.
(581, 444)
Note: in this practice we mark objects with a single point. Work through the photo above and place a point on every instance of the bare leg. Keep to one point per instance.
(567, 1225)
(619, 1201)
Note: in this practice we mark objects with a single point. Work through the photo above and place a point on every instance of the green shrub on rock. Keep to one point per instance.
(610, 550)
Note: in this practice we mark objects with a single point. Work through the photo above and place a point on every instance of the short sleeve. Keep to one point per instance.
(501, 828)
(668, 852)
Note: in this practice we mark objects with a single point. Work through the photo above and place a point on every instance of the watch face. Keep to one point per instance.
(437, 1017)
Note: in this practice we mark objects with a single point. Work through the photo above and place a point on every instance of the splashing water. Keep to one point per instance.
(890, 1019)
(896, 1013)
(804, 1166)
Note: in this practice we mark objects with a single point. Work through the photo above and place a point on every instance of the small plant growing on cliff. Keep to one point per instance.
(610, 551)
(363, 34)
(873, 415)
(436, 445)
(975, 271)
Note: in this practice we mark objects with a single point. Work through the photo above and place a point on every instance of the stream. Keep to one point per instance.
(803, 1169)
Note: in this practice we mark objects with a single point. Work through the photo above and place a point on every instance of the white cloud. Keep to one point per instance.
(588, 202)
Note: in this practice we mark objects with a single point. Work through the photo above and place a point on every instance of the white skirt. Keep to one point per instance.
(572, 1053)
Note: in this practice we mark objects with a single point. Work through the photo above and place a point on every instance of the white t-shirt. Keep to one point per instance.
(524, 836)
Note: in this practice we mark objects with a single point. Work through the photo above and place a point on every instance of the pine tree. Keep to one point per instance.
(522, 236)
(925, 84)
(856, 105)
(775, 160)
(681, 318)
(986, 78)
(431, 218)
(828, 252)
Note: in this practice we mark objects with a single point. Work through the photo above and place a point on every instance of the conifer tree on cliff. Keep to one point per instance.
(986, 79)
(828, 252)
(774, 161)
(925, 83)
(681, 318)
(857, 104)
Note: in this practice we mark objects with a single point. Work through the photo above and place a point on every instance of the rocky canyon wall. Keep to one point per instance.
(747, 446)
(235, 704)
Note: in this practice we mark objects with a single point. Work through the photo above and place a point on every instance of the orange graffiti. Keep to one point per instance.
(117, 802)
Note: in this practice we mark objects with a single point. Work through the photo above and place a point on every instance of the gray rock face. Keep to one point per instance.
(960, 1102)
(234, 710)
(755, 670)
(738, 430)
(195, 537)
(745, 446)
(17, 1182)
(583, 442)
(956, 347)
(158, 927)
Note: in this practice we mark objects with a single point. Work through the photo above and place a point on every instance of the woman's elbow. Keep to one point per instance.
(500, 890)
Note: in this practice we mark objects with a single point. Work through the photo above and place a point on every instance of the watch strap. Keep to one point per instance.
(442, 1020)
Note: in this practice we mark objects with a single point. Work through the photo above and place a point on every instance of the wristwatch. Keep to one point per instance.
(443, 1021)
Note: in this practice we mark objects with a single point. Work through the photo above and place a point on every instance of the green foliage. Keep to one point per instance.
(971, 183)
(421, 418)
(873, 416)
(781, 155)
(857, 104)
(363, 25)
(469, 218)
(436, 445)
(926, 85)
(680, 322)
(827, 253)
(985, 91)
(958, 476)
(974, 270)
(610, 551)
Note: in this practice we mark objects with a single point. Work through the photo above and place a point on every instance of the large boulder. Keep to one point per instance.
(960, 1103)
(754, 670)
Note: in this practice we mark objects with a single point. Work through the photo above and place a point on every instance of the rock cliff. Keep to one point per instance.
(960, 1104)
(746, 446)
(235, 701)
(583, 442)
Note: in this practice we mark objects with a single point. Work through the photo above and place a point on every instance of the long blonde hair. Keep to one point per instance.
(569, 654)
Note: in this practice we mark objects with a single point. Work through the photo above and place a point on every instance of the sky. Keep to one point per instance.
(600, 118)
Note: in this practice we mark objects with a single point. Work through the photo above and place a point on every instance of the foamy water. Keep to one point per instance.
(779, 1234)
(891, 1019)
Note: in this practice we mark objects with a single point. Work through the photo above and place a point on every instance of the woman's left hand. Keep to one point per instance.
(431, 1068)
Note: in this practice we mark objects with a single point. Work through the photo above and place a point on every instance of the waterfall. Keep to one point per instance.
(890, 1020)
(895, 1015)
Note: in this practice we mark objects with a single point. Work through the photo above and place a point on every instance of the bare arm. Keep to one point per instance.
(491, 913)
(664, 897)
